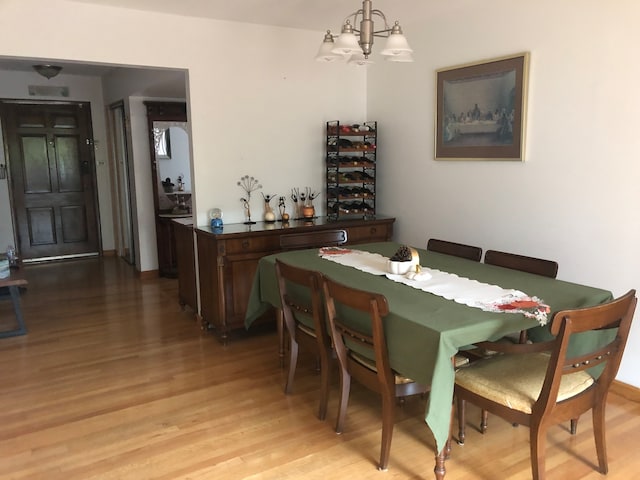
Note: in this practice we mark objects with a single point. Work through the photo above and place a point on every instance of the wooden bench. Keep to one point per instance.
(13, 284)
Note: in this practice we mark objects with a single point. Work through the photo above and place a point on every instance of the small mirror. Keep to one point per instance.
(162, 139)
(172, 154)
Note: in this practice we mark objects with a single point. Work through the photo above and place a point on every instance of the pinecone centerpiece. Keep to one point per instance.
(404, 260)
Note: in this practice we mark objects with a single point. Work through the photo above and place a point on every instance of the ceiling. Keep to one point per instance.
(317, 15)
(304, 14)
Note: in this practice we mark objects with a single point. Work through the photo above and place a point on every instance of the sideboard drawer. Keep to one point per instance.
(378, 232)
(258, 243)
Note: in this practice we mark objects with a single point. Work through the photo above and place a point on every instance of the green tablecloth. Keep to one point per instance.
(423, 330)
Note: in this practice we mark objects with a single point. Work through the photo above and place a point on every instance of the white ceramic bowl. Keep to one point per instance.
(399, 268)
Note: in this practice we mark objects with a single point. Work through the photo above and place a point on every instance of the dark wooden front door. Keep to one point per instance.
(53, 178)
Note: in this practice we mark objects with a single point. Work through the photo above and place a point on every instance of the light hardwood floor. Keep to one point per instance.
(115, 381)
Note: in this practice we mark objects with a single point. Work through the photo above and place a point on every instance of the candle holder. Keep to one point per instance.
(248, 184)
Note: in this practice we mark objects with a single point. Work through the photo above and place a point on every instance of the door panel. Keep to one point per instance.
(37, 178)
(44, 226)
(52, 179)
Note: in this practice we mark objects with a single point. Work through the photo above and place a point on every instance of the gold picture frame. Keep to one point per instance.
(481, 110)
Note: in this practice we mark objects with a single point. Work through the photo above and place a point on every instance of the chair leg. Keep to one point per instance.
(574, 425)
(599, 435)
(483, 421)
(388, 418)
(325, 380)
(345, 387)
(462, 405)
(538, 444)
(293, 361)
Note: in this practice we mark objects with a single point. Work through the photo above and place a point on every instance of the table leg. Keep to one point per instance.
(14, 290)
(443, 455)
(439, 469)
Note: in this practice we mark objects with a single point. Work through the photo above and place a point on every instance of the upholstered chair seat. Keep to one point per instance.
(515, 381)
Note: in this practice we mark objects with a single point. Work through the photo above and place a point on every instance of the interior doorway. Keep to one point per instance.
(170, 162)
(122, 183)
(53, 178)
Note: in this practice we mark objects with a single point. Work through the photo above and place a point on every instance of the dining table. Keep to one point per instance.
(424, 331)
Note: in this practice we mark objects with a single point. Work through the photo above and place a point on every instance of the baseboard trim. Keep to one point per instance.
(625, 390)
(147, 274)
(108, 253)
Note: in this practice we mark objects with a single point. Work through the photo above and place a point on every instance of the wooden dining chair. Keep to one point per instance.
(361, 349)
(538, 266)
(303, 313)
(543, 384)
(522, 263)
(457, 249)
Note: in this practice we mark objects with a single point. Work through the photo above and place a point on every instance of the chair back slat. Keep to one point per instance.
(538, 266)
(456, 249)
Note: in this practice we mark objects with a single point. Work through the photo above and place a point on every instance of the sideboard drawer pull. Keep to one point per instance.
(246, 244)
(373, 230)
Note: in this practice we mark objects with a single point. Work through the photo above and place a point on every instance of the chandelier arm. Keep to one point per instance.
(381, 15)
(352, 16)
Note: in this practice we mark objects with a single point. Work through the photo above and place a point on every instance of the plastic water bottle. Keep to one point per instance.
(11, 256)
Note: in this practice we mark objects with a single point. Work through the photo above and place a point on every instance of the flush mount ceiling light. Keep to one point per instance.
(48, 71)
(356, 49)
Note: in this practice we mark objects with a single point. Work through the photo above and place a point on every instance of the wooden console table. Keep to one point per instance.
(228, 259)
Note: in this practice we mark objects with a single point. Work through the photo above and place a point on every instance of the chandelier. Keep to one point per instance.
(356, 49)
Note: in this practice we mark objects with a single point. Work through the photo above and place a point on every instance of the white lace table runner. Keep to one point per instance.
(490, 298)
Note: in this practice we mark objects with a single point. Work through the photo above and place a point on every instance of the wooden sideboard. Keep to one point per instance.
(186, 262)
(228, 258)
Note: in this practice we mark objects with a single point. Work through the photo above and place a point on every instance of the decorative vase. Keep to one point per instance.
(269, 215)
(308, 211)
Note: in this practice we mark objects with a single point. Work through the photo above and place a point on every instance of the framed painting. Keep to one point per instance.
(481, 110)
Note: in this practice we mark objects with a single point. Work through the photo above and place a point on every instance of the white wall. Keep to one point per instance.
(13, 85)
(576, 198)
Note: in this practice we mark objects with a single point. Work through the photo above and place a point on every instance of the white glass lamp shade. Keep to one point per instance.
(359, 60)
(324, 53)
(396, 43)
(403, 57)
(347, 44)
